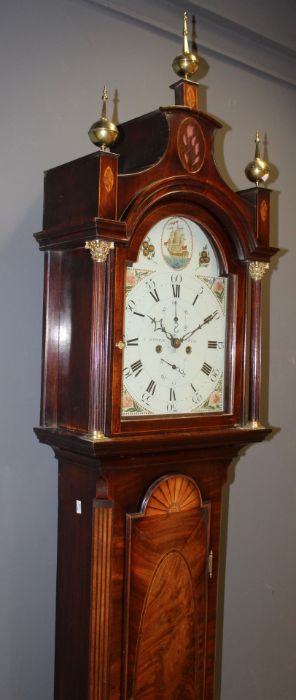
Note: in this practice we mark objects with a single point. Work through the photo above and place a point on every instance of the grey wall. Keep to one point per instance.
(55, 58)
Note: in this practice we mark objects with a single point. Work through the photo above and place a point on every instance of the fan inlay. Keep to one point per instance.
(172, 495)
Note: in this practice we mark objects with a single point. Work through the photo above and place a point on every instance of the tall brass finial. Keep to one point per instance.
(257, 170)
(104, 105)
(186, 63)
(103, 132)
(185, 35)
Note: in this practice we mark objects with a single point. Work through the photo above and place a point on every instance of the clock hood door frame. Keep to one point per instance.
(185, 203)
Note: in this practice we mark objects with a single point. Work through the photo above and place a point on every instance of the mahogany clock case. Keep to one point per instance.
(140, 499)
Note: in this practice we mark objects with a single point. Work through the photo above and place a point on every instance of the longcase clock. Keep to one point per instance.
(151, 386)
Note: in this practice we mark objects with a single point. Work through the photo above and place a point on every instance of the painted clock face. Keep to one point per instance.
(174, 324)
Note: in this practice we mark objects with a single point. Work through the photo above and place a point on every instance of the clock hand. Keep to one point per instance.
(176, 319)
(176, 312)
(181, 371)
(206, 320)
(175, 342)
(153, 319)
(163, 329)
(155, 322)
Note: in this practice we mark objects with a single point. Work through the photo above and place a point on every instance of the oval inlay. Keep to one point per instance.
(263, 210)
(191, 145)
(167, 642)
(190, 97)
(108, 179)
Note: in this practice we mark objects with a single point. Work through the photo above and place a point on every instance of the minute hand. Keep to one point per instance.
(206, 320)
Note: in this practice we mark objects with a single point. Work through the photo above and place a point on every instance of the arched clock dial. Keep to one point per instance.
(175, 324)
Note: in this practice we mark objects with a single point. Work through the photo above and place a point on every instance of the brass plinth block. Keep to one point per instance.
(94, 436)
(99, 250)
(253, 425)
(97, 435)
(257, 270)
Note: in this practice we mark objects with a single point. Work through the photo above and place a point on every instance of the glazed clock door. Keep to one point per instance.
(167, 578)
(177, 329)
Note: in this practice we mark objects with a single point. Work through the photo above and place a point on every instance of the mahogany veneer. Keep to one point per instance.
(139, 507)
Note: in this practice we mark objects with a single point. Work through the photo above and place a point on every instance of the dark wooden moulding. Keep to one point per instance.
(139, 507)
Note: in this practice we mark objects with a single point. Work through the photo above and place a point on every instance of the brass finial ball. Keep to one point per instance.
(257, 170)
(103, 133)
(186, 63)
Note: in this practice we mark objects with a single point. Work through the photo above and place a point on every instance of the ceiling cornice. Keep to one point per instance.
(217, 35)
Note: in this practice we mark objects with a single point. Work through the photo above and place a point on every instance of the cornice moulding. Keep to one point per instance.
(217, 35)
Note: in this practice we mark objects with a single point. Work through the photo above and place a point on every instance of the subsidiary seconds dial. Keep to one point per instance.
(174, 351)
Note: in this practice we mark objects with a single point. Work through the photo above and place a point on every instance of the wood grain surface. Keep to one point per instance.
(167, 593)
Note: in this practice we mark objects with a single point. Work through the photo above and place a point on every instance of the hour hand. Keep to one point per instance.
(154, 320)
(163, 329)
(158, 326)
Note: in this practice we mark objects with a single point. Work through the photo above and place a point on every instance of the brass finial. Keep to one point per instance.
(186, 63)
(185, 34)
(257, 170)
(104, 105)
(103, 132)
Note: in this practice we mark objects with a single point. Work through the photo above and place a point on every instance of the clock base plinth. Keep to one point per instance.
(138, 565)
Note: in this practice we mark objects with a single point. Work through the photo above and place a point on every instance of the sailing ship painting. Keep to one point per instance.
(177, 243)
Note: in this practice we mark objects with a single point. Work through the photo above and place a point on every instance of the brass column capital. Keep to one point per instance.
(257, 270)
(99, 249)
